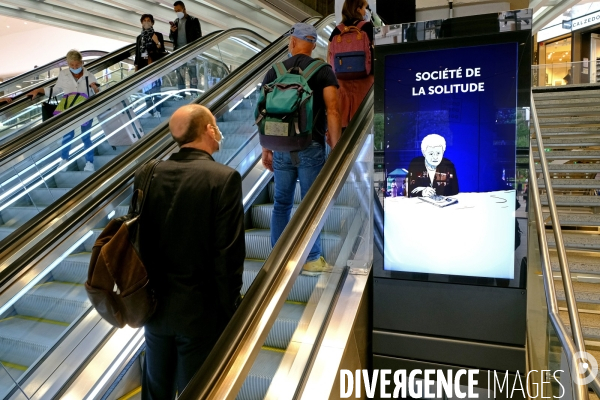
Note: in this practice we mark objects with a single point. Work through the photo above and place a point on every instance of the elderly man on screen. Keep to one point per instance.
(432, 174)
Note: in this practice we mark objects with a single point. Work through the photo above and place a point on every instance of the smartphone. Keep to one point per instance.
(171, 23)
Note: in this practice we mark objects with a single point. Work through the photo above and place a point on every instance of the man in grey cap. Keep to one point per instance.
(326, 128)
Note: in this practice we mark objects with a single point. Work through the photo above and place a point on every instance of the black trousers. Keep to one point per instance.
(171, 361)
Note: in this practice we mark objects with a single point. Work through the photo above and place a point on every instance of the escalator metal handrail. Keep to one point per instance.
(19, 251)
(576, 343)
(226, 367)
(44, 68)
(46, 132)
(22, 101)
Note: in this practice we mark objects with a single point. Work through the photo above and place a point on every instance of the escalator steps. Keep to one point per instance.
(54, 301)
(261, 374)
(284, 326)
(301, 291)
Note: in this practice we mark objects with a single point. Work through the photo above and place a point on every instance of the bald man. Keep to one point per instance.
(192, 242)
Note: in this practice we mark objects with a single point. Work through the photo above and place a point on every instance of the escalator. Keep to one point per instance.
(45, 317)
(32, 173)
(21, 83)
(24, 113)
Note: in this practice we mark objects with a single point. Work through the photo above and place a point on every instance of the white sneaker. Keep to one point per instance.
(157, 114)
(89, 167)
(62, 163)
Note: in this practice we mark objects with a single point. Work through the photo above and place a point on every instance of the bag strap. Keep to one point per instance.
(313, 68)
(87, 86)
(360, 24)
(144, 179)
(279, 69)
(73, 102)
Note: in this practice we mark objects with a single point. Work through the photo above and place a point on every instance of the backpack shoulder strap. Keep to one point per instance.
(312, 69)
(279, 69)
(361, 24)
(141, 186)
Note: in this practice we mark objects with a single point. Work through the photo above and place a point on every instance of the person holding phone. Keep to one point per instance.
(185, 29)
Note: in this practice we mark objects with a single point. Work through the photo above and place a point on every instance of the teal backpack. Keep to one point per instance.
(284, 113)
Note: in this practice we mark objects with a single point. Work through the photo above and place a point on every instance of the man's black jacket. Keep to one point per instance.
(192, 242)
(193, 30)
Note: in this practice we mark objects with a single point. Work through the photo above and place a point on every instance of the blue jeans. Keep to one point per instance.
(286, 174)
(85, 138)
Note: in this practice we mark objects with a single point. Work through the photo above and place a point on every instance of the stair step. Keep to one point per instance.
(572, 219)
(56, 301)
(572, 201)
(258, 245)
(569, 130)
(568, 120)
(261, 375)
(579, 168)
(301, 291)
(70, 179)
(546, 94)
(572, 183)
(347, 195)
(575, 108)
(578, 241)
(22, 341)
(567, 143)
(570, 155)
(237, 127)
(284, 326)
(590, 324)
(584, 292)
(338, 220)
(578, 263)
(14, 217)
(73, 268)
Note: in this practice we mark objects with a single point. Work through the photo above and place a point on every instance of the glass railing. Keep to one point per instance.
(19, 84)
(565, 73)
(25, 114)
(72, 152)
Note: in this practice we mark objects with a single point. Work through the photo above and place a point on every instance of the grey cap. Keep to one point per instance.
(303, 31)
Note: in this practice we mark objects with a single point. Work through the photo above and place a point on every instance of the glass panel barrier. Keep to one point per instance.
(42, 178)
(14, 122)
(564, 73)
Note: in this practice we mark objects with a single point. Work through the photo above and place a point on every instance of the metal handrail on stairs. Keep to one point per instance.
(575, 344)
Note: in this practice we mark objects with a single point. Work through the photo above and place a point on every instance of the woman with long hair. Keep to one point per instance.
(353, 91)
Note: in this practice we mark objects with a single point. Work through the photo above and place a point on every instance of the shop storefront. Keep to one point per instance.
(568, 50)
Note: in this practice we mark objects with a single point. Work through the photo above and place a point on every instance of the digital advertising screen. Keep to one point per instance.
(449, 139)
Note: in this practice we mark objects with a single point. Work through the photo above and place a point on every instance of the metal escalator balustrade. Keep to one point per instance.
(267, 346)
(37, 181)
(23, 114)
(557, 340)
(234, 100)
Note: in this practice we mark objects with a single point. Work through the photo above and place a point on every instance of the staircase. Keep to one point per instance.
(570, 127)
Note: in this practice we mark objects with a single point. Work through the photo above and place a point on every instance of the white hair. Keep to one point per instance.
(433, 140)
(74, 55)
